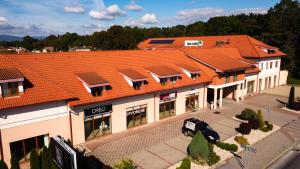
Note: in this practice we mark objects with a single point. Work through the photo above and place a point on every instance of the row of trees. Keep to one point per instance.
(280, 27)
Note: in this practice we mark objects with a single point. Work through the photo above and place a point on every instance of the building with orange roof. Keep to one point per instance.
(83, 95)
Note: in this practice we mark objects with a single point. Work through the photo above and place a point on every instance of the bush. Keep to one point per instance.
(260, 118)
(34, 160)
(244, 128)
(124, 164)
(14, 162)
(269, 127)
(227, 146)
(241, 140)
(247, 114)
(198, 147)
(3, 165)
(185, 164)
(254, 123)
(213, 158)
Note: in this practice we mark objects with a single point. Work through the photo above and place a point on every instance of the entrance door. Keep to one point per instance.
(191, 102)
(250, 86)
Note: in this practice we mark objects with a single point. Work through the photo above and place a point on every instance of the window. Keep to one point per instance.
(10, 89)
(97, 91)
(267, 66)
(166, 109)
(97, 126)
(262, 66)
(276, 64)
(270, 51)
(137, 85)
(227, 79)
(136, 116)
(234, 76)
(271, 65)
(21, 149)
(163, 81)
(173, 79)
(194, 75)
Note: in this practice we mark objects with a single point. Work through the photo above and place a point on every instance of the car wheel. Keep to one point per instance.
(185, 132)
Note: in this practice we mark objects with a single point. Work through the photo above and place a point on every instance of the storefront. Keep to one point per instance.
(192, 102)
(97, 121)
(167, 105)
(21, 149)
(136, 115)
(250, 86)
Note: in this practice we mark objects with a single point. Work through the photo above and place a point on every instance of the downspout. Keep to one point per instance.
(71, 128)
(204, 95)
(1, 147)
(155, 107)
(257, 82)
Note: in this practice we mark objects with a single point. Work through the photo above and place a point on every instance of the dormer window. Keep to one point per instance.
(271, 51)
(134, 78)
(11, 82)
(164, 73)
(93, 83)
(190, 71)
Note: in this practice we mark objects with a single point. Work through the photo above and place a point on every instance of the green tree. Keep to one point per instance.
(3, 165)
(14, 162)
(291, 97)
(260, 118)
(34, 160)
(198, 148)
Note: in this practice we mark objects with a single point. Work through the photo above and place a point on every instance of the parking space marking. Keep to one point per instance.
(159, 157)
(175, 148)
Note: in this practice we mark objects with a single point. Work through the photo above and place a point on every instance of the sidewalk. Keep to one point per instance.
(267, 150)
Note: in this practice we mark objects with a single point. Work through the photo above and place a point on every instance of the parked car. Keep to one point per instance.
(192, 125)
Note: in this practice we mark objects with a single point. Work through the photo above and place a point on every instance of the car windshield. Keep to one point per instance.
(208, 127)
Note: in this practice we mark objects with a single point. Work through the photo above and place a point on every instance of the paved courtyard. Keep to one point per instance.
(162, 144)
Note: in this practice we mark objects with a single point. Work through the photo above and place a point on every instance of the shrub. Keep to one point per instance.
(260, 118)
(14, 162)
(213, 158)
(124, 164)
(241, 140)
(248, 114)
(34, 160)
(185, 164)
(198, 147)
(244, 128)
(269, 126)
(3, 165)
(227, 146)
(254, 123)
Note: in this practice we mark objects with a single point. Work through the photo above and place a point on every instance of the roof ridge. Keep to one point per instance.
(248, 37)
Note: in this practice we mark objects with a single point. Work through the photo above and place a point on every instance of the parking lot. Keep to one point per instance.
(162, 144)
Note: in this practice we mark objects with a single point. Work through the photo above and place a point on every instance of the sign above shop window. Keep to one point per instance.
(98, 110)
(168, 96)
(136, 110)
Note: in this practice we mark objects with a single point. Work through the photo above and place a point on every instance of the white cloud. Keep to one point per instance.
(109, 13)
(133, 6)
(149, 19)
(2, 20)
(74, 9)
(146, 19)
(251, 10)
(192, 15)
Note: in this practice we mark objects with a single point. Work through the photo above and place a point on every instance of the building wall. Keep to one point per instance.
(21, 123)
(283, 77)
(267, 72)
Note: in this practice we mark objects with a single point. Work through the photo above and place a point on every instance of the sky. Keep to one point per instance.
(45, 17)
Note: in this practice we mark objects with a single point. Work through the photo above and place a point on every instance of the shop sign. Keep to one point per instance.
(168, 96)
(97, 110)
(136, 110)
(64, 157)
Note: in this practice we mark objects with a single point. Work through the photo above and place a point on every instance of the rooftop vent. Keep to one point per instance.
(93, 83)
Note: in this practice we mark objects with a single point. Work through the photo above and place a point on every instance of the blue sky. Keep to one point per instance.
(44, 17)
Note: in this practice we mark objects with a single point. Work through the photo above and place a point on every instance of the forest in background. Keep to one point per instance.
(279, 27)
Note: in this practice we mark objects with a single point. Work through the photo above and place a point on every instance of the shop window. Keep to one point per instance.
(192, 102)
(166, 109)
(10, 89)
(97, 91)
(136, 116)
(21, 149)
(97, 126)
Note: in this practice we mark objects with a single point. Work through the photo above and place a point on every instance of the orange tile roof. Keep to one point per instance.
(60, 68)
(189, 68)
(247, 46)
(41, 91)
(10, 73)
(162, 70)
(221, 59)
(132, 74)
(91, 78)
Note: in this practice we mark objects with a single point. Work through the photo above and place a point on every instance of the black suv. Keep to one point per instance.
(192, 125)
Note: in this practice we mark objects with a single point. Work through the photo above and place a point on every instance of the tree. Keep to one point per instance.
(291, 97)
(198, 148)
(34, 160)
(14, 162)
(260, 118)
(3, 165)
(45, 159)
